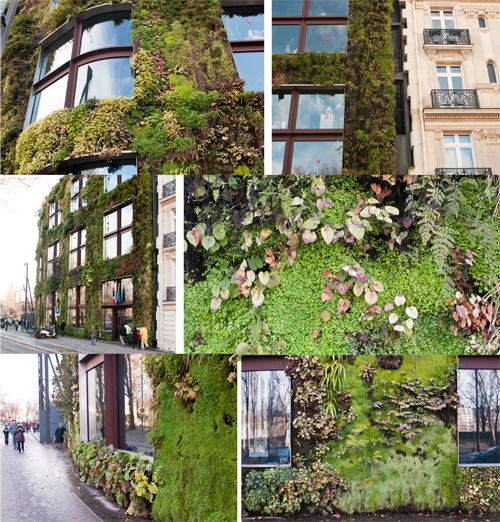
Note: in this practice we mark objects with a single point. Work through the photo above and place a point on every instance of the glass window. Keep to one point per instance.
(50, 269)
(107, 319)
(104, 78)
(83, 236)
(317, 157)
(266, 419)
(71, 296)
(108, 292)
(281, 110)
(320, 111)
(56, 249)
(81, 318)
(138, 405)
(50, 99)
(95, 394)
(50, 253)
(82, 295)
(250, 67)
(53, 208)
(126, 216)
(285, 39)
(126, 243)
(107, 30)
(442, 20)
(327, 38)
(450, 77)
(110, 182)
(287, 7)
(278, 156)
(492, 75)
(482, 22)
(73, 260)
(329, 8)
(127, 290)
(56, 55)
(243, 24)
(110, 223)
(110, 248)
(73, 241)
(479, 418)
(458, 151)
(82, 256)
(75, 187)
(75, 204)
(72, 317)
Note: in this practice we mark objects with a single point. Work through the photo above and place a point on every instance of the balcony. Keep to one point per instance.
(454, 99)
(168, 189)
(476, 171)
(169, 240)
(446, 37)
(170, 294)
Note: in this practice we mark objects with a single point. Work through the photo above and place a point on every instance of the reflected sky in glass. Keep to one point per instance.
(55, 56)
(328, 38)
(244, 27)
(317, 157)
(278, 157)
(251, 69)
(320, 111)
(287, 7)
(329, 8)
(285, 39)
(50, 99)
(126, 216)
(281, 110)
(99, 32)
(104, 78)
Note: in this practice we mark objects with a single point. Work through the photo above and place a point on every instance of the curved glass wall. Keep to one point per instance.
(56, 55)
(107, 30)
(50, 99)
(251, 69)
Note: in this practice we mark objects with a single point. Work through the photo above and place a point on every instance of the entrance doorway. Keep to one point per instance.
(122, 316)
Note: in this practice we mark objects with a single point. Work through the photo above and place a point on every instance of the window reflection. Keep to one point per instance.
(107, 319)
(329, 8)
(479, 417)
(126, 216)
(243, 24)
(50, 99)
(278, 156)
(320, 111)
(266, 419)
(107, 30)
(285, 39)
(56, 55)
(95, 394)
(328, 38)
(104, 78)
(281, 110)
(317, 157)
(110, 248)
(126, 240)
(287, 7)
(251, 69)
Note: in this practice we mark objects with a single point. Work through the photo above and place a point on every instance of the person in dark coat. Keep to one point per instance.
(63, 327)
(6, 435)
(59, 436)
(12, 431)
(20, 437)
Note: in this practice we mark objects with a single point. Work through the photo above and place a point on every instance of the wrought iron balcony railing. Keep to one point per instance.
(446, 37)
(171, 294)
(169, 189)
(454, 99)
(169, 240)
(476, 171)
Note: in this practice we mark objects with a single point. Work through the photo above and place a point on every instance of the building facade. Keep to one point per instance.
(95, 252)
(453, 55)
(166, 246)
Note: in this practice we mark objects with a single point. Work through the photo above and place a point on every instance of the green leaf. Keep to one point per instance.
(243, 349)
(234, 290)
(257, 299)
(311, 224)
(274, 280)
(193, 237)
(248, 219)
(216, 302)
(224, 293)
(325, 316)
(219, 232)
(327, 233)
(215, 290)
(208, 242)
(264, 278)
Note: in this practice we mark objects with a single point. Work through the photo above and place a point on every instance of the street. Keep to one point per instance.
(40, 485)
(19, 342)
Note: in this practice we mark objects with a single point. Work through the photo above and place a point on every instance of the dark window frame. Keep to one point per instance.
(245, 46)
(78, 196)
(56, 214)
(123, 304)
(119, 230)
(79, 248)
(492, 73)
(77, 306)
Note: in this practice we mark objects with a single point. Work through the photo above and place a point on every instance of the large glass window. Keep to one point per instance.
(479, 418)
(76, 307)
(320, 111)
(250, 67)
(119, 175)
(450, 77)
(266, 419)
(317, 157)
(118, 232)
(56, 55)
(95, 404)
(281, 110)
(442, 20)
(77, 240)
(103, 79)
(118, 291)
(286, 39)
(77, 185)
(107, 30)
(458, 151)
(244, 23)
(327, 38)
(49, 99)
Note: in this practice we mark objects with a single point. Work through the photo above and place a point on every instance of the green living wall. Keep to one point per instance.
(188, 111)
(389, 446)
(138, 264)
(367, 70)
(344, 264)
(195, 437)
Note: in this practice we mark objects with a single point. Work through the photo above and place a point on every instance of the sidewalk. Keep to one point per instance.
(68, 344)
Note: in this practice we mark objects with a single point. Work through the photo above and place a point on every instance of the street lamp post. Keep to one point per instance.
(25, 294)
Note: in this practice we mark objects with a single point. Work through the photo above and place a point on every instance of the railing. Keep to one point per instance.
(171, 294)
(454, 99)
(169, 240)
(169, 189)
(446, 37)
(476, 171)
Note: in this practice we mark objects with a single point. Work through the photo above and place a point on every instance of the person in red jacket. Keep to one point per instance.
(27, 427)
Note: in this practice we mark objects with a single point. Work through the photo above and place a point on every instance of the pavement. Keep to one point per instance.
(20, 342)
(41, 485)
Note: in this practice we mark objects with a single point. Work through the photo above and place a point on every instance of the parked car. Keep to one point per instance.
(491, 456)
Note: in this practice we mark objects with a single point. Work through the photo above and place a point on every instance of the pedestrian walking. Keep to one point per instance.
(122, 333)
(59, 436)
(20, 437)
(27, 324)
(33, 427)
(93, 335)
(128, 330)
(144, 338)
(27, 427)
(63, 327)
(6, 435)
(12, 431)
(56, 329)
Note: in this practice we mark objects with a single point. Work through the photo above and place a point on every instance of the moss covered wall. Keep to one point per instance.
(195, 440)
(138, 263)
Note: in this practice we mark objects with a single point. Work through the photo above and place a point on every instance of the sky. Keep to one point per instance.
(20, 199)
